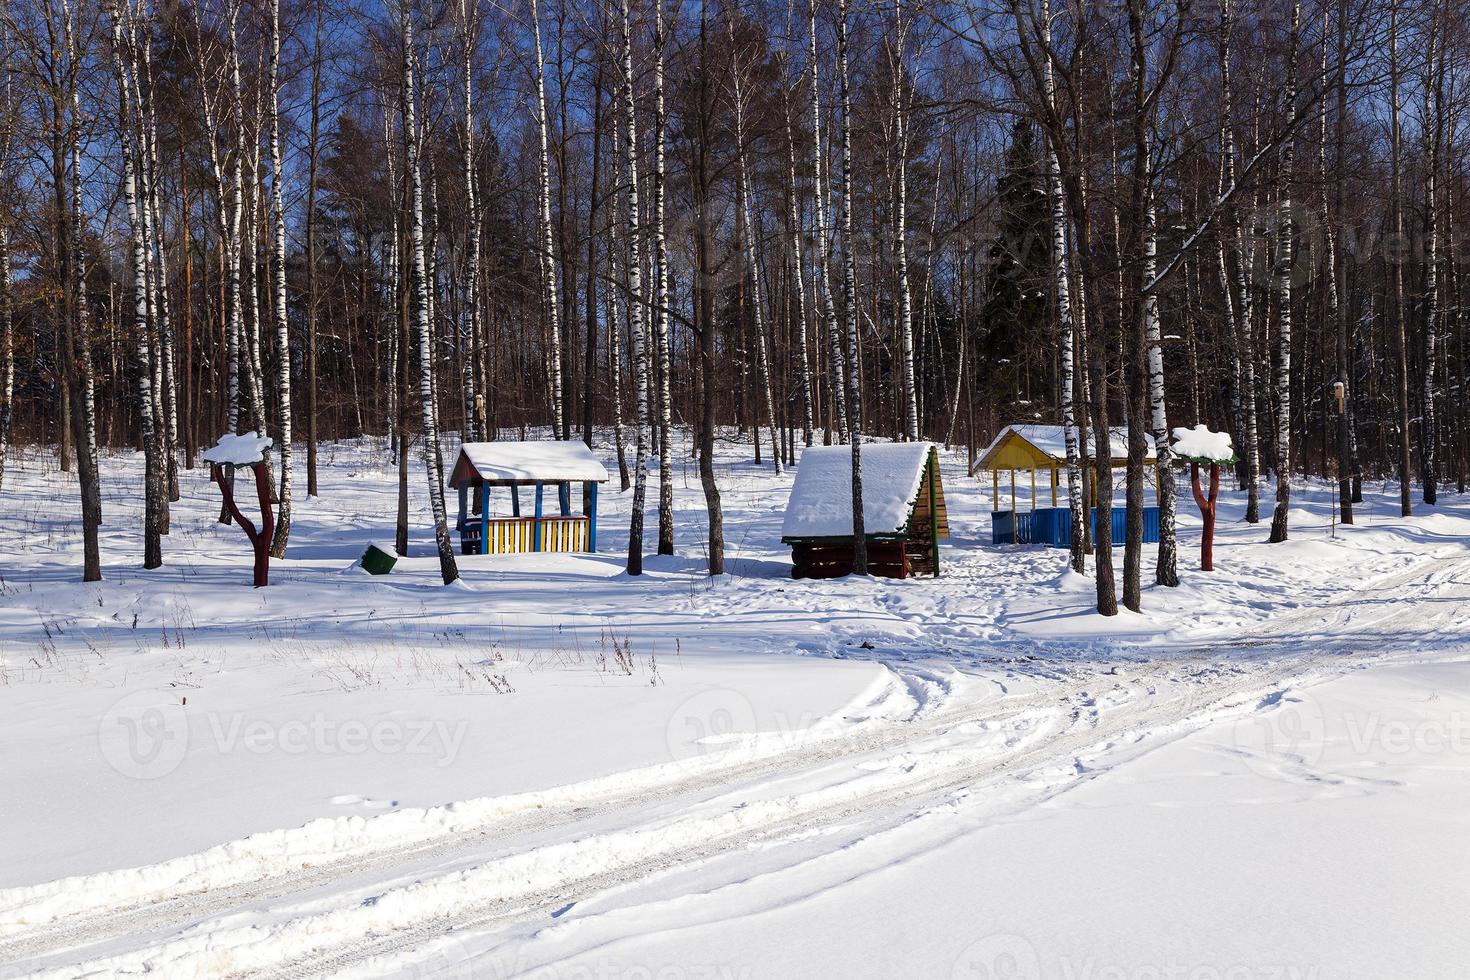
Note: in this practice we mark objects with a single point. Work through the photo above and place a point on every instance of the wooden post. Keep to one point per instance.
(540, 488)
(592, 517)
(1054, 487)
(1207, 510)
(934, 506)
(564, 497)
(515, 501)
(484, 518)
(1013, 505)
(1033, 489)
(260, 541)
(995, 489)
(464, 490)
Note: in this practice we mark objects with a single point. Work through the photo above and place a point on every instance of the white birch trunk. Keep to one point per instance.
(635, 306)
(798, 288)
(1285, 256)
(821, 262)
(751, 259)
(278, 288)
(468, 11)
(1167, 571)
(412, 138)
(661, 297)
(1067, 329)
(152, 484)
(7, 348)
(548, 255)
(1232, 239)
(1428, 428)
(849, 296)
(900, 237)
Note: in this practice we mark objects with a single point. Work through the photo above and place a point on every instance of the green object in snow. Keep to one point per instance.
(378, 560)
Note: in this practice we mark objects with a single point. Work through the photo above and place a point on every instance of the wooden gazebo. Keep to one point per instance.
(538, 464)
(903, 511)
(1043, 448)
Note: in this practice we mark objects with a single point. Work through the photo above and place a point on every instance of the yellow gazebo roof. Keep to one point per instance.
(1044, 447)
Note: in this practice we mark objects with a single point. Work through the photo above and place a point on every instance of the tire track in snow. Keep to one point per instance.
(823, 744)
(925, 724)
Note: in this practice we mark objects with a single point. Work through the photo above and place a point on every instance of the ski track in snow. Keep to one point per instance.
(893, 764)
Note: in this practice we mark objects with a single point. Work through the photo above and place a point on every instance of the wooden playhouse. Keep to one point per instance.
(903, 511)
(534, 465)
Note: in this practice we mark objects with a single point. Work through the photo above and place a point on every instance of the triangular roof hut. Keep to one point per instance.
(903, 510)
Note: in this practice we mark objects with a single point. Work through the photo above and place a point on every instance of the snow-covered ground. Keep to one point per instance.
(554, 770)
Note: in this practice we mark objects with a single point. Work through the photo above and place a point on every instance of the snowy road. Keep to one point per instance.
(469, 893)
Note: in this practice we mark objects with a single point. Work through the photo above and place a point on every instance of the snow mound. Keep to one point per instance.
(244, 449)
(1202, 444)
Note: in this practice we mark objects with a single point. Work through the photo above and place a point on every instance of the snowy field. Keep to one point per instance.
(555, 771)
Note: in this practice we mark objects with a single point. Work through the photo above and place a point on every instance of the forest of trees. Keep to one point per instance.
(785, 223)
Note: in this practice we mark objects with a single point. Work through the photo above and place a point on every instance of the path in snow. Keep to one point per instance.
(845, 781)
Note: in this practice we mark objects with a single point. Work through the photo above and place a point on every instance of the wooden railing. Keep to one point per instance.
(515, 535)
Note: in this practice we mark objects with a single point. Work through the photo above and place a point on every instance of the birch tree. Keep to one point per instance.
(413, 141)
(1146, 93)
(1066, 328)
(1396, 260)
(849, 298)
(79, 344)
(278, 287)
(548, 245)
(1285, 231)
(794, 233)
(1428, 426)
(635, 304)
(822, 263)
(122, 48)
(661, 296)
(7, 346)
(763, 366)
(470, 284)
(900, 226)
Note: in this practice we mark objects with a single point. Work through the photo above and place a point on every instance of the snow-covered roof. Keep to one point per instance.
(1051, 442)
(243, 449)
(821, 497)
(538, 461)
(1200, 443)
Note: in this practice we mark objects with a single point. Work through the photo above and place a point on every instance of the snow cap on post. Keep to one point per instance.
(245, 449)
(1200, 445)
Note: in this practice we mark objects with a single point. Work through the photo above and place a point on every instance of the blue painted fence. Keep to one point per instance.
(1052, 526)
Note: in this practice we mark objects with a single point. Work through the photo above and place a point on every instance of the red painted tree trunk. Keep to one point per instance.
(1207, 510)
(260, 540)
